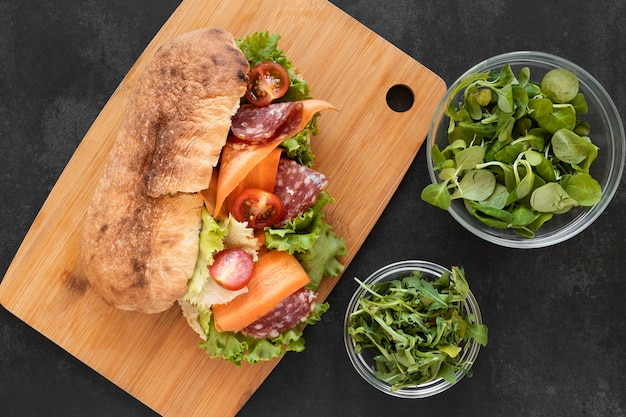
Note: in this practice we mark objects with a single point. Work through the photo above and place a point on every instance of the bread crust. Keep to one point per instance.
(140, 237)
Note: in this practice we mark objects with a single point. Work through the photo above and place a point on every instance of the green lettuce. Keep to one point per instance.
(321, 260)
(298, 147)
(236, 347)
(263, 46)
(299, 234)
(211, 241)
(312, 242)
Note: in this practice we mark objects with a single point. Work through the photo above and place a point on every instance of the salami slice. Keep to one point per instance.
(286, 315)
(298, 187)
(266, 124)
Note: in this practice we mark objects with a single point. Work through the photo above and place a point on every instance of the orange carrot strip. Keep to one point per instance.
(260, 236)
(209, 194)
(276, 275)
(262, 176)
(309, 108)
(236, 162)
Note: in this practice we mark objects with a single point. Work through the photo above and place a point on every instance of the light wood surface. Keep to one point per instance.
(365, 149)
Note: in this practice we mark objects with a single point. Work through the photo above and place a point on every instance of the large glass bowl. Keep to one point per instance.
(363, 362)
(607, 132)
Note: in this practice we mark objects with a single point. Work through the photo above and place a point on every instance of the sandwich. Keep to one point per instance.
(209, 199)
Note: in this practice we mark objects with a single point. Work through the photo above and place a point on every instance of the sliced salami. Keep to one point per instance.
(266, 124)
(286, 315)
(298, 187)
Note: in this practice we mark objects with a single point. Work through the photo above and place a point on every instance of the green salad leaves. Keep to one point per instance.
(235, 347)
(518, 152)
(263, 46)
(416, 328)
(312, 242)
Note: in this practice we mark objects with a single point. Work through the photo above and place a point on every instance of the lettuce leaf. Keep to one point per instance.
(312, 241)
(241, 236)
(202, 290)
(211, 241)
(299, 234)
(298, 147)
(236, 348)
(263, 46)
(321, 260)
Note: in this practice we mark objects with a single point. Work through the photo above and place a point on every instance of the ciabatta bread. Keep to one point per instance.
(140, 237)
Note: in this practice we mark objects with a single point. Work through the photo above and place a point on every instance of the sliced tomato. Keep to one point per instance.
(257, 207)
(268, 81)
(232, 268)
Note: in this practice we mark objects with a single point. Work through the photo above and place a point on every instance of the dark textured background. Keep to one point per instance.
(556, 315)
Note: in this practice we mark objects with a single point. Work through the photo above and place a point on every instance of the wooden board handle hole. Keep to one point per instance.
(400, 98)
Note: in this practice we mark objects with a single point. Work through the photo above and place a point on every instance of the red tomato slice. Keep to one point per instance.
(257, 207)
(268, 81)
(232, 268)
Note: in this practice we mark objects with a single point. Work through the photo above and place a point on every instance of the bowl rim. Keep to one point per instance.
(609, 111)
(436, 386)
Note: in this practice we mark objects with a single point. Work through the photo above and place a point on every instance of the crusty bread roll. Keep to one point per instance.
(141, 233)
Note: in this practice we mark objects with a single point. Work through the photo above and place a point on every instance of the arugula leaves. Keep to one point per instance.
(416, 328)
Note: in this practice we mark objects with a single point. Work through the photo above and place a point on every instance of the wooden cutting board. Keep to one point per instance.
(365, 149)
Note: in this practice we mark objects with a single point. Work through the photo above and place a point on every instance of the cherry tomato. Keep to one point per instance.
(258, 207)
(268, 81)
(232, 268)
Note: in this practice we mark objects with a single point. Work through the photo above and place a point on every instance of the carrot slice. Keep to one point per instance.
(209, 194)
(238, 159)
(236, 162)
(262, 176)
(309, 108)
(276, 275)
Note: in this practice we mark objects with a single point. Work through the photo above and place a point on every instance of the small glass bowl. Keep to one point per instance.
(607, 132)
(363, 362)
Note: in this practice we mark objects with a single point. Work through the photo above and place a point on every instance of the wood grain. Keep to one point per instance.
(365, 149)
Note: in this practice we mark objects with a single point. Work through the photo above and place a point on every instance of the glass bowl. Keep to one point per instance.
(363, 362)
(607, 132)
